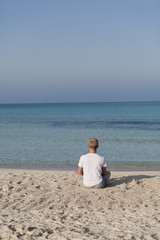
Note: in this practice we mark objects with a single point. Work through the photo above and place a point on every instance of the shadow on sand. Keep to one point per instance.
(127, 179)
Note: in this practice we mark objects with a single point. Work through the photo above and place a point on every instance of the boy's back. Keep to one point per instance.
(92, 170)
(92, 164)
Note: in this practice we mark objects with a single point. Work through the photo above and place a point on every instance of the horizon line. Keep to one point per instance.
(78, 102)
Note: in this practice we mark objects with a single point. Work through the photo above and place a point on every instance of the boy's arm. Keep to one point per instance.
(80, 170)
(104, 171)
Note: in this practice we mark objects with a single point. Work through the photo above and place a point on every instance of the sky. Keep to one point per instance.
(79, 51)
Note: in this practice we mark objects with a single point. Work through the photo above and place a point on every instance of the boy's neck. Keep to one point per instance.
(92, 150)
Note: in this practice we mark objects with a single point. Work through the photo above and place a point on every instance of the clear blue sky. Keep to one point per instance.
(77, 51)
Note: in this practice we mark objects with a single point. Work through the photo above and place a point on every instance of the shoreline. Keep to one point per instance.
(74, 168)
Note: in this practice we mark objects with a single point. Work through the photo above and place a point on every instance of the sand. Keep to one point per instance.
(49, 205)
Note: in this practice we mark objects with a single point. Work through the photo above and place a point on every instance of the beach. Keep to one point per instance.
(39, 204)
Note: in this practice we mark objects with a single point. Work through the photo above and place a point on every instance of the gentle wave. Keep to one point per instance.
(87, 123)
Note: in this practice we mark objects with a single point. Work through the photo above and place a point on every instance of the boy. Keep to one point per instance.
(92, 170)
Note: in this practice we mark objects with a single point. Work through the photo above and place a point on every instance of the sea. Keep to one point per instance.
(55, 135)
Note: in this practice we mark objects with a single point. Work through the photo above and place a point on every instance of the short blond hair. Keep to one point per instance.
(93, 143)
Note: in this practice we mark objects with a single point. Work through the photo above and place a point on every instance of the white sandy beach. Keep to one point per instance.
(49, 205)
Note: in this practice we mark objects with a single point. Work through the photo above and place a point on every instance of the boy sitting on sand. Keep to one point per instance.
(92, 171)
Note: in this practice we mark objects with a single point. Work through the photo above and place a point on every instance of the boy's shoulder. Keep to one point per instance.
(84, 155)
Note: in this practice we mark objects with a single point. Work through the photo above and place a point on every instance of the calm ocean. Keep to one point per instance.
(50, 135)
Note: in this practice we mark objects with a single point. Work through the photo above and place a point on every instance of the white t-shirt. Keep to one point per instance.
(92, 164)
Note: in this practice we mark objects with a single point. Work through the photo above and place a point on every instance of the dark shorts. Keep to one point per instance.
(104, 183)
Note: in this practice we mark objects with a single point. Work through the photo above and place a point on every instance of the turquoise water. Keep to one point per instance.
(57, 134)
